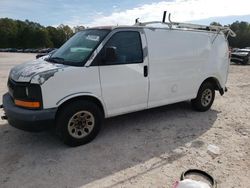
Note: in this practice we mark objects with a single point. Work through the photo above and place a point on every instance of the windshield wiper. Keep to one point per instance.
(56, 59)
(62, 61)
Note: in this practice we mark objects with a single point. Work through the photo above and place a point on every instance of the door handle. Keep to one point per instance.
(145, 71)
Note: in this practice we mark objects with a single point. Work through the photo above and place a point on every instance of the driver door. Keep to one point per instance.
(124, 81)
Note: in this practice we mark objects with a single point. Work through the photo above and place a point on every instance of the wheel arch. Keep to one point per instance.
(87, 97)
(215, 82)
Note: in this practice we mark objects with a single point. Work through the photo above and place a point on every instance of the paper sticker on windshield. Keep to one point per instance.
(93, 37)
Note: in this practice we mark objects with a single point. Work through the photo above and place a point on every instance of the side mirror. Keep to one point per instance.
(110, 54)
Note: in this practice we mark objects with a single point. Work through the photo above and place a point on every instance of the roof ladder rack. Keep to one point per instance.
(226, 30)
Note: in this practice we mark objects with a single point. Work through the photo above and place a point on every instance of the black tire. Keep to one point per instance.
(245, 61)
(205, 97)
(71, 116)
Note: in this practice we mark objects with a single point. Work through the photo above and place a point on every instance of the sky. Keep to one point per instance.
(117, 12)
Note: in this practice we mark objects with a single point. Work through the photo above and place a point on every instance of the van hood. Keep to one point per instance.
(39, 69)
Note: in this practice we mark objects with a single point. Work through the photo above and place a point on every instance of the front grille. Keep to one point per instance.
(17, 90)
(10, 88)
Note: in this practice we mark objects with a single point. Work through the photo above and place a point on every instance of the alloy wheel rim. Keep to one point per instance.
(206, 97)
(81, 124)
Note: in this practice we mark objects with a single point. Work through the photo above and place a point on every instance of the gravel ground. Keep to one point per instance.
(144, 149)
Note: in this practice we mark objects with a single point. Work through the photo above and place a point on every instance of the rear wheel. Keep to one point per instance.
(79, 122)
(205, 97)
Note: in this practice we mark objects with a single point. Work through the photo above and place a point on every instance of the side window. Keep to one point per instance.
(128, 48)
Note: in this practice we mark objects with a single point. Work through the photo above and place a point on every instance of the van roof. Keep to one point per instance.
(176, 26)
(150, 27)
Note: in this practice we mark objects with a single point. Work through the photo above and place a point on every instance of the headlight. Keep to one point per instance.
(43, 76)
(25, 94)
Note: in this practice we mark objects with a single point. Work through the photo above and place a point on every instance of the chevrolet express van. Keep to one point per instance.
(103, 72)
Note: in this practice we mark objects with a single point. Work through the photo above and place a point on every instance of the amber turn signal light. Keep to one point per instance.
(27, 104)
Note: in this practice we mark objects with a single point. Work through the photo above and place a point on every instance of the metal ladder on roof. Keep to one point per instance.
(226, 30)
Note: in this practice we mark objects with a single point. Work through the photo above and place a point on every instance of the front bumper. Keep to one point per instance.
(25, 119)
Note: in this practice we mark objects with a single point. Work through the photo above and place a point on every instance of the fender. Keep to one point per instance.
(82, 94)
(214, 80)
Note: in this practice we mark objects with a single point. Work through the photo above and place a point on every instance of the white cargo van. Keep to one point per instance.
(107, 71)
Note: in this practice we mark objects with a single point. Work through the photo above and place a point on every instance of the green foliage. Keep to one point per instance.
(8, 32)
(26, 34)
(242, 30)
(216, 24)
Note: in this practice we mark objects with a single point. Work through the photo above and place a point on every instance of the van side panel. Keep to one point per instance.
(176, 61)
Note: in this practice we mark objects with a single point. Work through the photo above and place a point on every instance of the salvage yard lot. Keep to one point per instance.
(144, 149)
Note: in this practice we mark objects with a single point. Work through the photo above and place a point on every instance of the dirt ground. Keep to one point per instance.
(144, 149)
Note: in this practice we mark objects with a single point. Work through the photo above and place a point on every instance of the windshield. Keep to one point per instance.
(78, 48)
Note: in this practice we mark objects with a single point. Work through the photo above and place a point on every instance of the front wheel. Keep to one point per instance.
(79, 122)
(205, 97)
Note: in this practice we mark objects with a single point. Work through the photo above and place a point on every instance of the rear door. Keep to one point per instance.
(124, 82)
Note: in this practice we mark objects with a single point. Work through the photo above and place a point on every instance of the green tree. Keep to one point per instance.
(56, 36)
(68, 32)
(27, 34)
(8, 32)
(41, 38)
(242, 30)
(215, 24)
(78, 28)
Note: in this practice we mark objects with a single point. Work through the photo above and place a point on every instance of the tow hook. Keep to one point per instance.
(1, 106)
